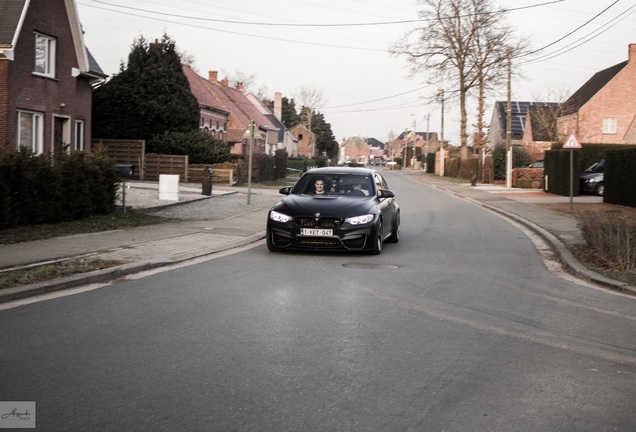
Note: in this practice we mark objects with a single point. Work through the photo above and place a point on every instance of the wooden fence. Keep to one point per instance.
(157, 164)
(220, 173)
(130, 152)
(150, 166)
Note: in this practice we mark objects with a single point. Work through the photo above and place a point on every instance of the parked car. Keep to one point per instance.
(335, 209)
(536, 164)
(591, 180)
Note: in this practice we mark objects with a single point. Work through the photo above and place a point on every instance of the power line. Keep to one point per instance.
(271, 24)
(239, 33)
(572, 32)
(378, 100)
(590, 36)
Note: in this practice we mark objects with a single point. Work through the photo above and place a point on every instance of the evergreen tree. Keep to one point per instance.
(325, 140)
(148, 97)
(290, 117)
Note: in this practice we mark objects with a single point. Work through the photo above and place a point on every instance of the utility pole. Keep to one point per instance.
(428, 127)
(509, 126)
(440, 97)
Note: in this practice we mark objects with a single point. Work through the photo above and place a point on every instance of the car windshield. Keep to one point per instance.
(334, 184)
(597, 167)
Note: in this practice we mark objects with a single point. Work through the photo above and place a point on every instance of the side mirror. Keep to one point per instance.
(285, 191)
(385, 193)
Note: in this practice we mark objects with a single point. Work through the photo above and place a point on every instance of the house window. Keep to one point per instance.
(609, 125)
(79, 135)
(44, 56)
(300, 137)
(30, 131)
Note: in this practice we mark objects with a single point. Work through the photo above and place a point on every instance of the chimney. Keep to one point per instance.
(224, 81)
(278, 106)
(239, 86)
(156, 45)
(632, 53)
(213, 76)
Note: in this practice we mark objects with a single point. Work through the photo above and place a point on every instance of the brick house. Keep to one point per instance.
(354, 150)
(306, 140)
(275, 115)
(46, 77)
(603, 110)
(213, 118)
(242, 113)
(409, 143)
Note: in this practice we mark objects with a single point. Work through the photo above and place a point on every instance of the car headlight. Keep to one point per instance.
(279, 217)
(360, 220)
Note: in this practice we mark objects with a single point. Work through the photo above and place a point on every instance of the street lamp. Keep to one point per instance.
(249, 134)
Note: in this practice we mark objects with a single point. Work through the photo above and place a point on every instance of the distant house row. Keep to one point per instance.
(602, 111)
(227, 112)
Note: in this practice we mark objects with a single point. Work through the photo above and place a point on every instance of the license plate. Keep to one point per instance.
(316, 232)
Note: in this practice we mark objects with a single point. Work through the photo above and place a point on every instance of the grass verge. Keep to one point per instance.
(26, 276)
(99, 223)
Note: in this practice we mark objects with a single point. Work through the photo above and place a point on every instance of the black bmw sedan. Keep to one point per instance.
(335, 209)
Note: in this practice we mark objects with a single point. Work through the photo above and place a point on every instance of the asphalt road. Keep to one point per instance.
(459, 327)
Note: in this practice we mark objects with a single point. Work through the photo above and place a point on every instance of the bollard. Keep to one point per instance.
(206, 181)
(473, 178)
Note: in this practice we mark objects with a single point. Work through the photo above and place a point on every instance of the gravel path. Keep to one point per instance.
(226, 202)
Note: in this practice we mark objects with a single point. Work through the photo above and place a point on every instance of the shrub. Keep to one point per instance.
(280, 164)
(430, 163)
(612, 236)
(519, 158)
(41, 189)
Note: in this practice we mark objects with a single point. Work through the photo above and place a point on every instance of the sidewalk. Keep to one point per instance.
(204, 225)
(224, 221)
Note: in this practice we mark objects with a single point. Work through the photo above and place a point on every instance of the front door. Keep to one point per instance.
(61, 134)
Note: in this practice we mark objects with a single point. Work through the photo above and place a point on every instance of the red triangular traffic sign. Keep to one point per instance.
(572, 142)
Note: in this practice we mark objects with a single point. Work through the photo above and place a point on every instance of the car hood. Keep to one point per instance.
(327, 206)
(591, 176)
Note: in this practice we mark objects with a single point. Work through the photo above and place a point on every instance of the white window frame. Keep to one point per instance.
(609, 125)
(35, 134)
(44, 57)
(79, 135)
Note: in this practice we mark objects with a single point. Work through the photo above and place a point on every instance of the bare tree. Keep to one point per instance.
(463, 42)
(544, 117)
(311, 99)
(248, 82)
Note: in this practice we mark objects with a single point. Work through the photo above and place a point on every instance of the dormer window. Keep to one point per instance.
(44, 63)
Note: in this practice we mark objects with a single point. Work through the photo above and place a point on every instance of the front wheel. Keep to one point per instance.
(377, 243)
(395, 231)
(600, 189)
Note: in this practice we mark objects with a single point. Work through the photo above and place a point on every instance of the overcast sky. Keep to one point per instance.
(340, 47)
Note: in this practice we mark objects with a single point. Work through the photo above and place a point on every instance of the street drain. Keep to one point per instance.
(371, 266)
